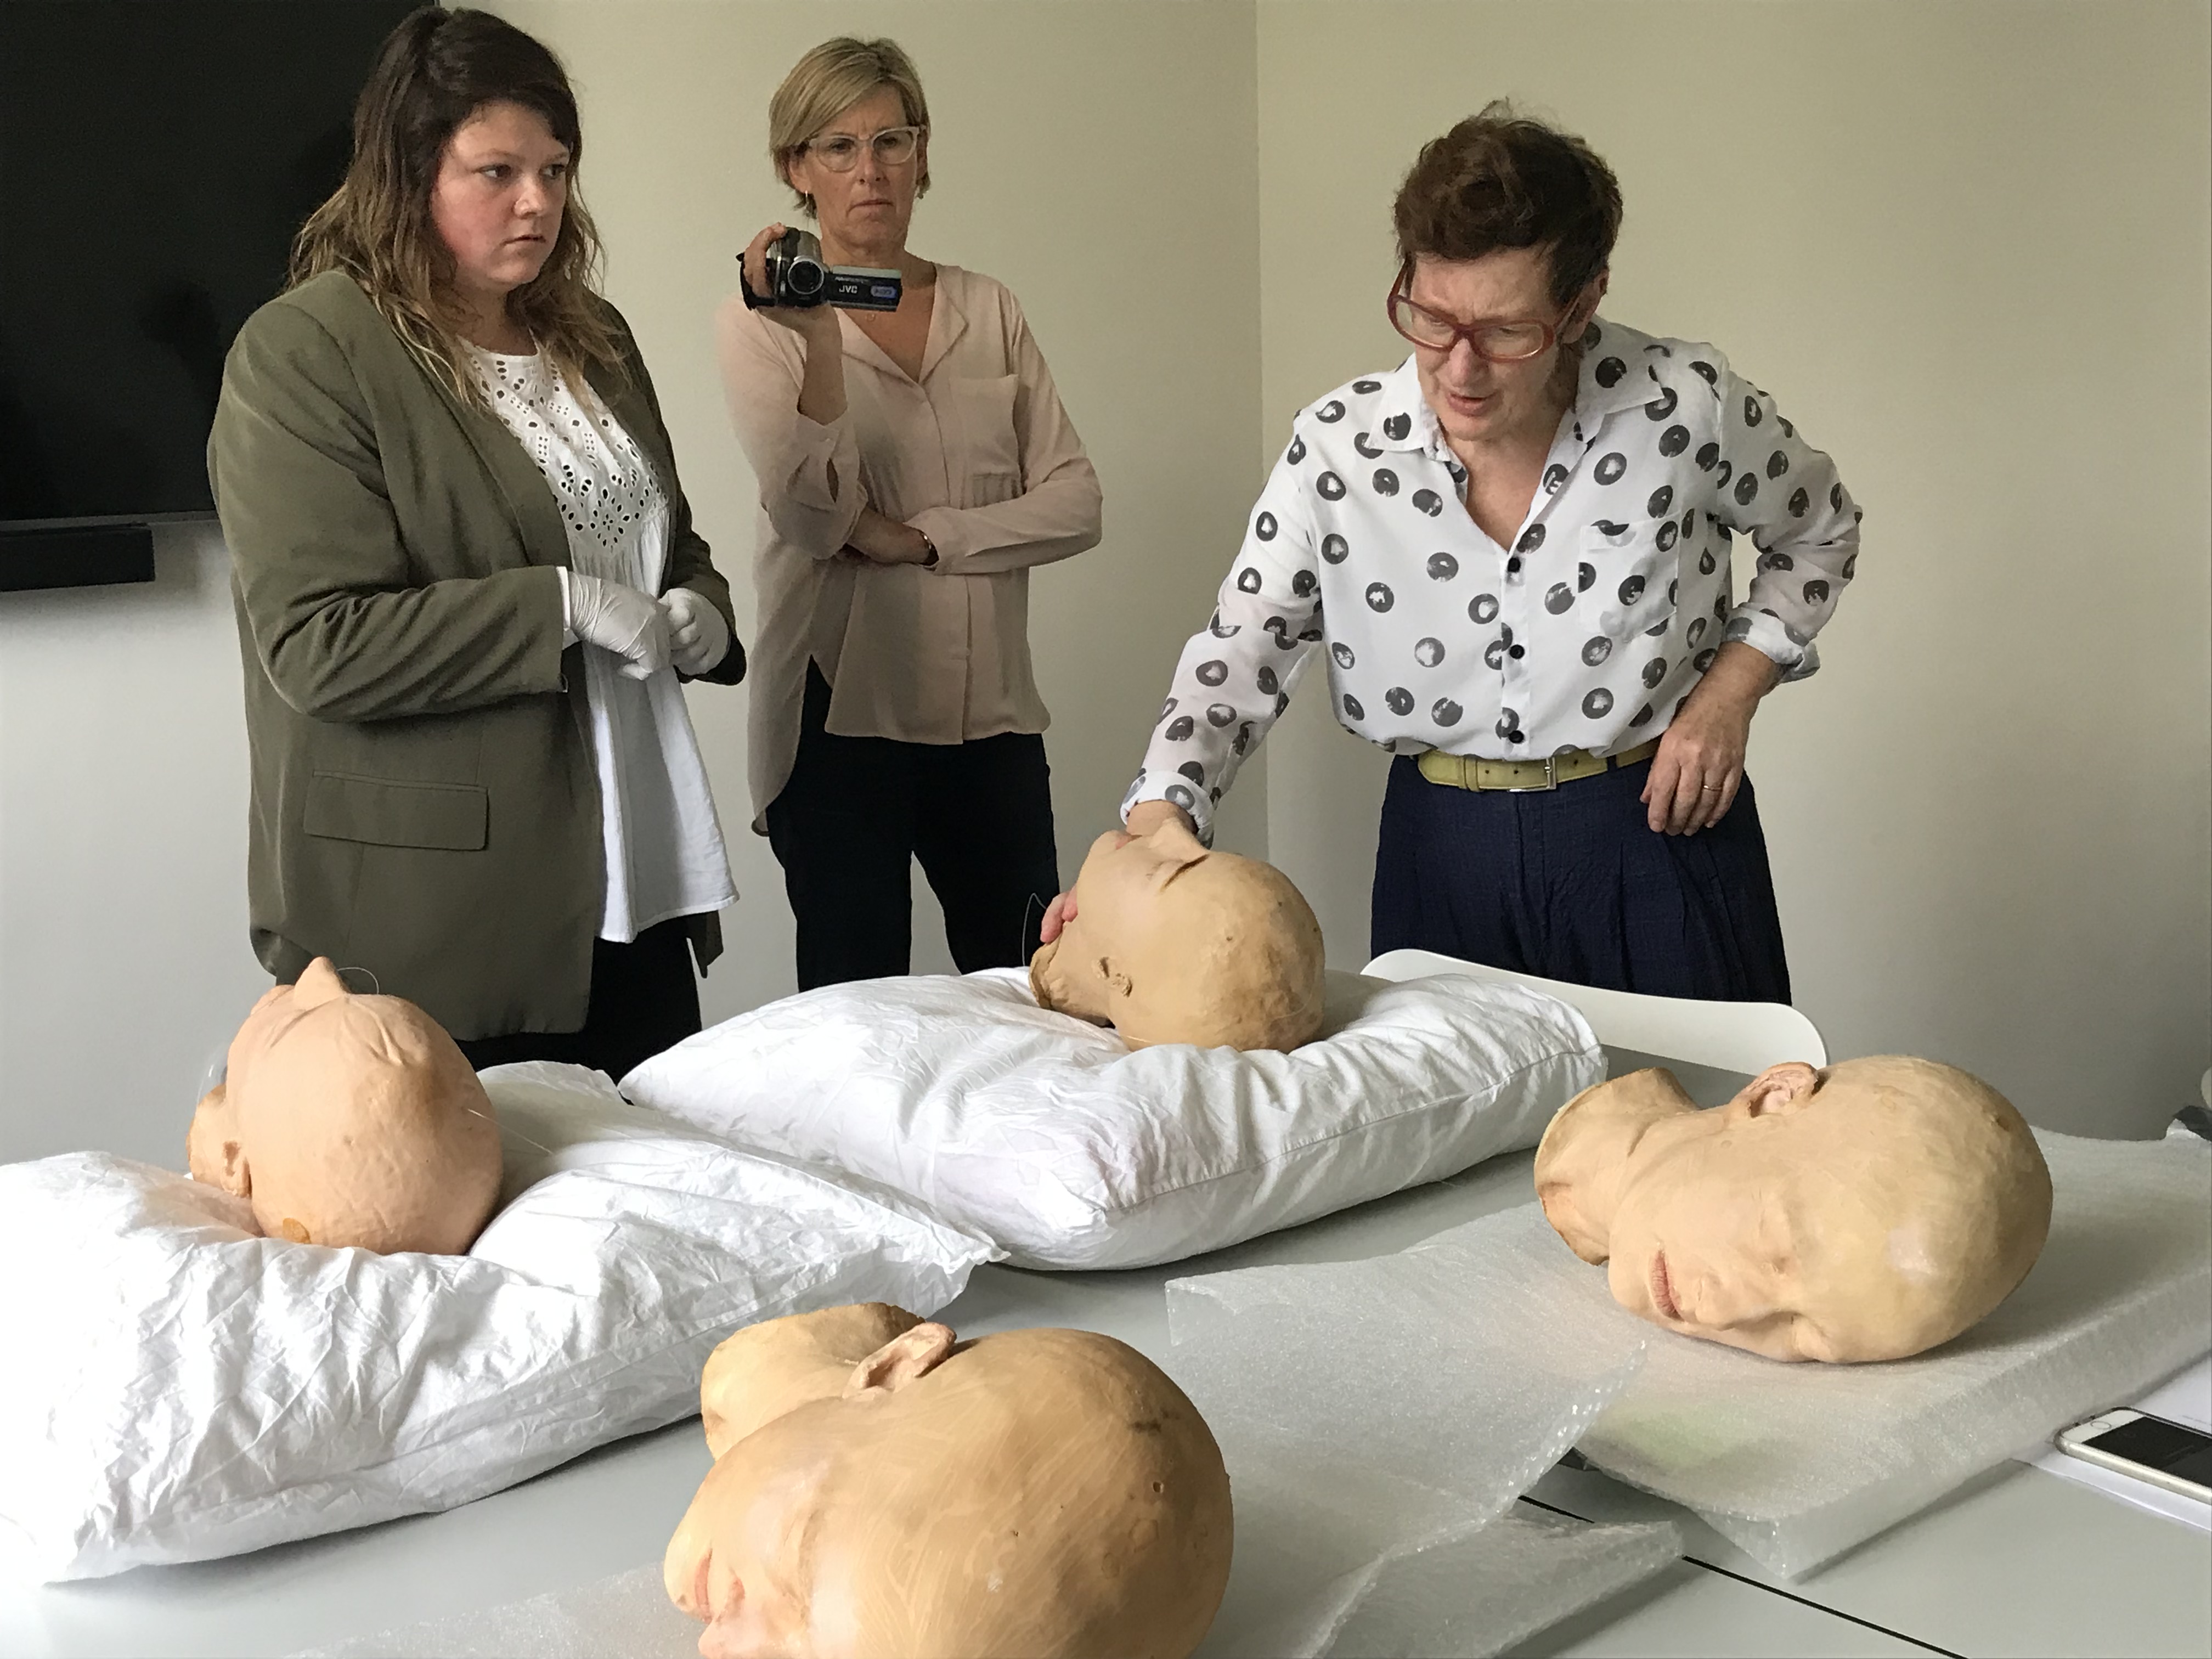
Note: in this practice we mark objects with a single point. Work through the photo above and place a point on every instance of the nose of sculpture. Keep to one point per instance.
(319, 983)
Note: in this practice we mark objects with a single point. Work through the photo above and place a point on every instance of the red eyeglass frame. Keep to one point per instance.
(1465, 331)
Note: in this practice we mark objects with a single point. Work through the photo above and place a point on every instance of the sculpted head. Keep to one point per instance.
(880, 1488)
(349, 1120)
(1172, 942)
(1869, 1210)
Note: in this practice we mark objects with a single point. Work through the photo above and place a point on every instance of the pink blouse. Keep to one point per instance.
(977, 454)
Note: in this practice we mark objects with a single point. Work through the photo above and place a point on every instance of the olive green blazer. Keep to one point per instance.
(424, 802)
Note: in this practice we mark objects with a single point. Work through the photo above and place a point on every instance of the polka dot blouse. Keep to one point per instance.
(1586, 632)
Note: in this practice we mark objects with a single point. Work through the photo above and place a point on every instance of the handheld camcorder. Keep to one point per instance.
(797, 277)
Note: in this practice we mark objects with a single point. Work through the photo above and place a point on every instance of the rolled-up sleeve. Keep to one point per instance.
(1059, 512)
(1235, 675)
(809, 472)
(1787, 496)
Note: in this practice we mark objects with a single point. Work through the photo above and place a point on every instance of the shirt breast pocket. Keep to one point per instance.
(1634, 570)
(987, 468)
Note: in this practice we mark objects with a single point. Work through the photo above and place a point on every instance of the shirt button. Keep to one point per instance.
(1516, 737)
(1518, 650)
(1513, 566)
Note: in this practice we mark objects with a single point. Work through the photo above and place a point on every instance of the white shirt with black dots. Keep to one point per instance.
(1587, 633)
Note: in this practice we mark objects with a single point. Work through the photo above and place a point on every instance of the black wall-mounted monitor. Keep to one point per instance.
(157, 157)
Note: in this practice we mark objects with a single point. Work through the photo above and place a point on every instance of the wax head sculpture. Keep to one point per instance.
(881, 1489)
(351, 1120)
(1869, 1210)
(1172, 943)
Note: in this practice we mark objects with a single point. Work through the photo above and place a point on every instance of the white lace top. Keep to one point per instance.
(664, 846)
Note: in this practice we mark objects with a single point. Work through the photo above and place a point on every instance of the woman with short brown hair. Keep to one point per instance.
(915, 466)
(467, 584)
(1514, 550)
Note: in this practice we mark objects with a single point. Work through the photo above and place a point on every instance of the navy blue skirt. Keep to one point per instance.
(1571, 883)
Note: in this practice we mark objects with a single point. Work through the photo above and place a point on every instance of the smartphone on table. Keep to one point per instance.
(2168, 1454)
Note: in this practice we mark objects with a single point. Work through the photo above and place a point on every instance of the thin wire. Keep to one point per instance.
(1772, 1590)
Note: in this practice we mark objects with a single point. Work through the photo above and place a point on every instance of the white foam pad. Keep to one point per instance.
(1375, 1428)
(1792, 1463)
(1795, 1463)
(182, 1388)
(1497, 1587)
(1068, 1149)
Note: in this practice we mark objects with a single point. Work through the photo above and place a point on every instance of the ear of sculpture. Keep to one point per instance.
(907, 1358)
(213, 1151)
(1122, 983)
(1776, 1092)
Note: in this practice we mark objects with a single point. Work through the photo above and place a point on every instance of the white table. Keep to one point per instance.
(2018, 1562)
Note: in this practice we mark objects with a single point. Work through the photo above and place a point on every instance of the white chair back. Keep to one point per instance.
(1729, 1037)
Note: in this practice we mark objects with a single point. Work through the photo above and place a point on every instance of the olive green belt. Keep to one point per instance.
(1472, 772)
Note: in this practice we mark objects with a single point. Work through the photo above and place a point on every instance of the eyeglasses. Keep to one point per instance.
(841, 151)
(1497, 342)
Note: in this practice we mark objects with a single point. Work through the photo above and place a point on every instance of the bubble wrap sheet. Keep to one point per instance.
(1795, 1463)
(1374, 1432)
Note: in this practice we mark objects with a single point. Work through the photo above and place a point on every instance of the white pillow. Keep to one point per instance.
(1068, 1149)
(177, 1388)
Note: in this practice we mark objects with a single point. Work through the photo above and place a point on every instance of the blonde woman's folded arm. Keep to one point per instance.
(1058, 512)
(809, 470)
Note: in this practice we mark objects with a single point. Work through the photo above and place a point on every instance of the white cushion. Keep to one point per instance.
(178, 1389)
(1068, 1149)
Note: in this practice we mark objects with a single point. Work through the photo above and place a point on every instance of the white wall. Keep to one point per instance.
(124, 963)
(1965, 247)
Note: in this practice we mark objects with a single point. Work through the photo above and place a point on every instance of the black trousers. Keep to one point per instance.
(977, 815)
(1573, 884)
(644, 999)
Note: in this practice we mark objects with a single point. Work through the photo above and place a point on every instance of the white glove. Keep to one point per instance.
(698, 638)
(616, 617)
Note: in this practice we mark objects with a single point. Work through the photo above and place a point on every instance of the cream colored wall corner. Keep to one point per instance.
(1098, 159)
(1965, 245)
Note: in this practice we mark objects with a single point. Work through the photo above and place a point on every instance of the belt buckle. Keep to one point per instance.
(1550, 778)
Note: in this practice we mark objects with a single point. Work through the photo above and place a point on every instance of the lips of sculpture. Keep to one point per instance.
(1662, 1288)
(1703, 1244)
(733, 1560)
(1116, 903)
(1745, 1306)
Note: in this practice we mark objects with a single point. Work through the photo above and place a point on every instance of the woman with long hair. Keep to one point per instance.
(467, 585)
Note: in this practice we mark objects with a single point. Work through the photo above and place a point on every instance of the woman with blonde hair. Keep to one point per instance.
(467, 584)
(914, 465)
